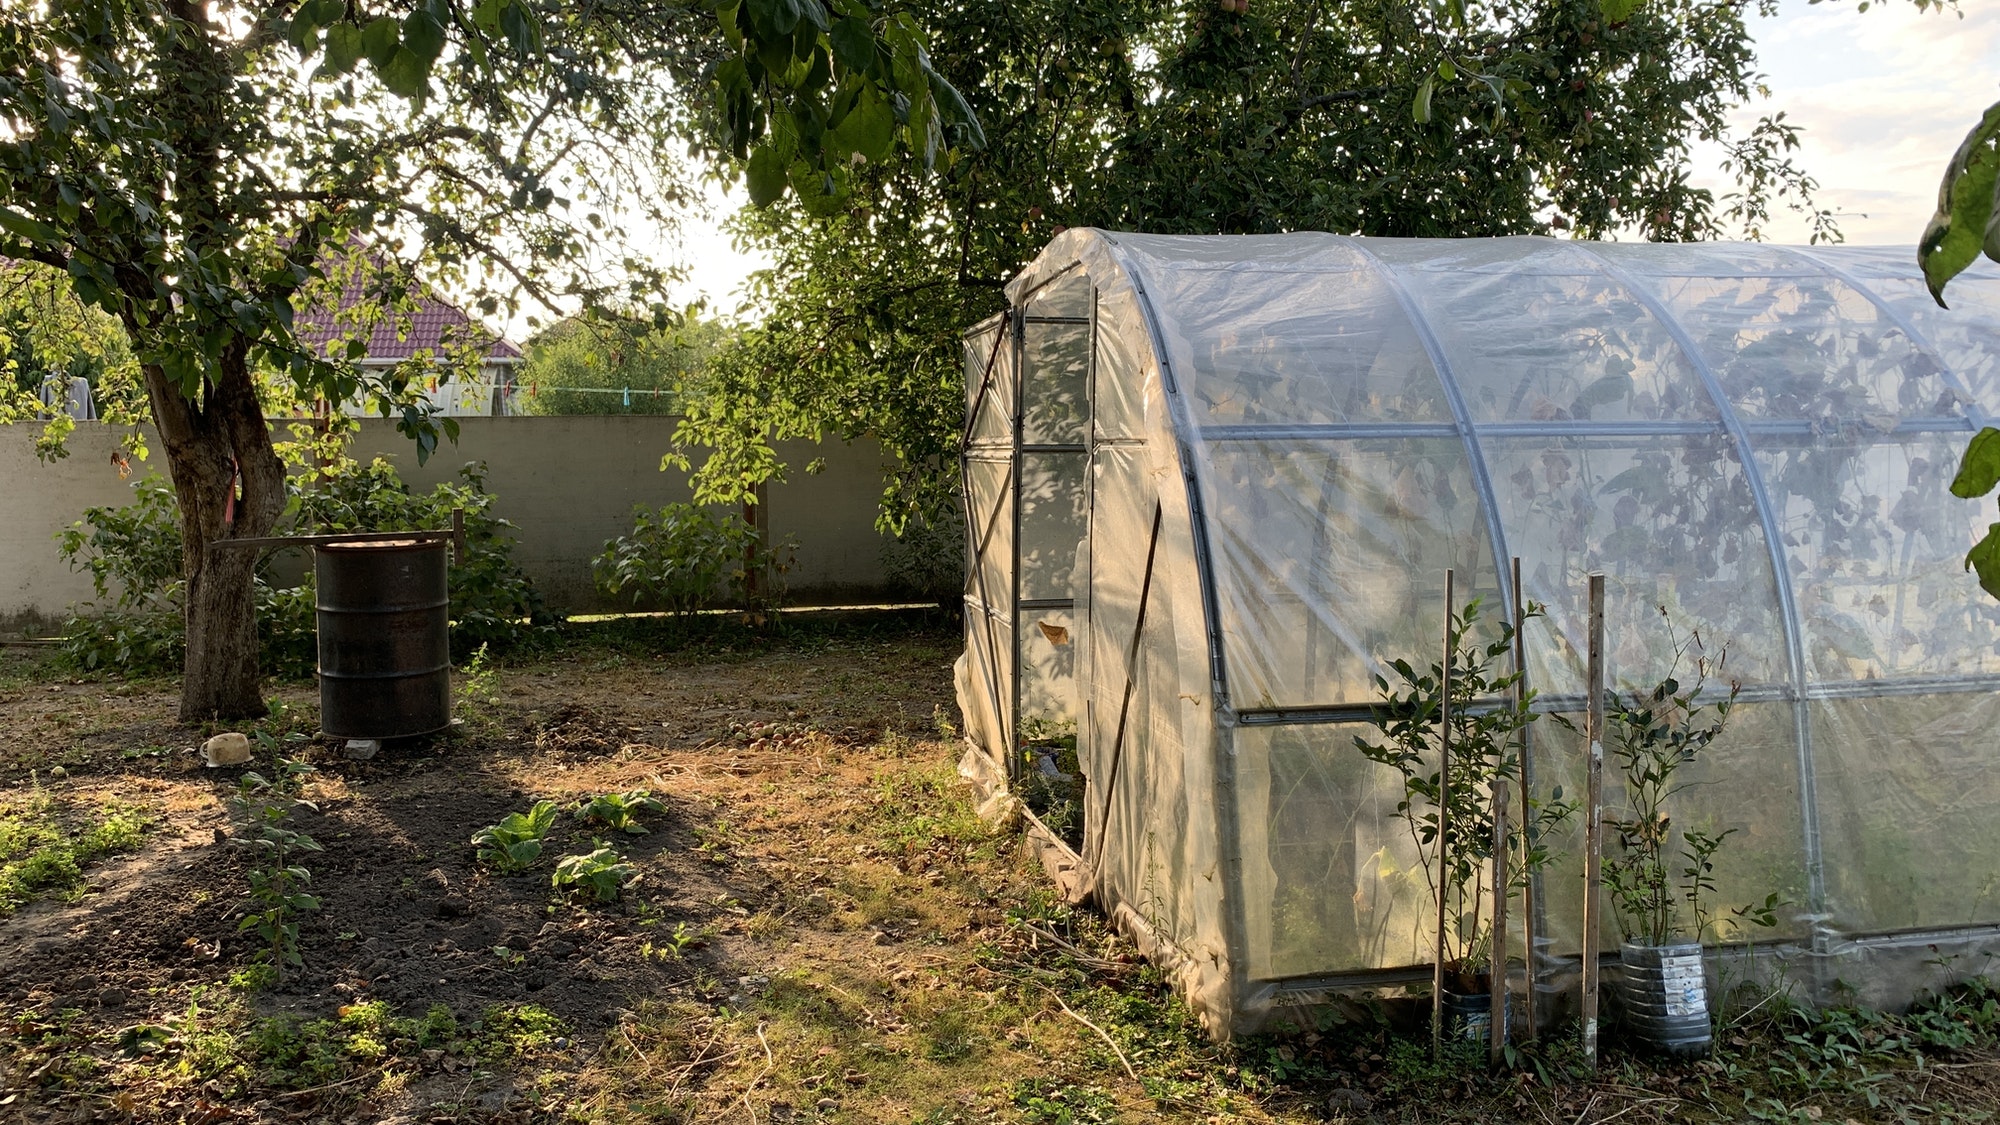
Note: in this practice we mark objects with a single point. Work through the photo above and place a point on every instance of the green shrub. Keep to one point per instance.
(683, 558)
(133, 555)
(493, 602)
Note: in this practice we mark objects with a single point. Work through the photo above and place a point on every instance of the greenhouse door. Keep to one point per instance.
(1051, 470)
(989, 548)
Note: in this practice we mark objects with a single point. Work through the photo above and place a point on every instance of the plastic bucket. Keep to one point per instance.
(1663, 998)
(1469, 1015)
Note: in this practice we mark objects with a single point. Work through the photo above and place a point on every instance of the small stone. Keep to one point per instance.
(58, 772)
(113, 997)
(361, 749)
(825, 1104)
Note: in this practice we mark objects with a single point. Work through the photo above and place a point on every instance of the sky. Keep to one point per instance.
(1884, 96)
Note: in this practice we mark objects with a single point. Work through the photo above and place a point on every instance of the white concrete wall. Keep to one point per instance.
(568, 483)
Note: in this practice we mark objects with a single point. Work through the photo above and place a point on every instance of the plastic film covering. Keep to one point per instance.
(1912, 841)
(1663, 518)
(1877, 548)
(1322, 846)
(1746, 784)
(1330, 555)
(1755, 439)
(1535, 332)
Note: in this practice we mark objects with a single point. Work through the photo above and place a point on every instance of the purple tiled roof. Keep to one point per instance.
(432, 325)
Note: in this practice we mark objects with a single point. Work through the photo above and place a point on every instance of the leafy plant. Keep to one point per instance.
(682, 556)
(600, 873)
(1651, 737)
(277, 880)
(675, 945)
(1455, 837)
(477, 682)
(620, 811)
(493, 602)
(515, 843)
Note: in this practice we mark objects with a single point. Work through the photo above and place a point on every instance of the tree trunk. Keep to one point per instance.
(214, 449)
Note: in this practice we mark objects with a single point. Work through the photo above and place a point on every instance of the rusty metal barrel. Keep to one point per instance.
(384, 612)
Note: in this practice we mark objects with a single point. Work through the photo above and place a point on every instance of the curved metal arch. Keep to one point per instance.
(1973, 411)
(1228, 824)
(1184, 453)
(1482, 480)
(1780, 570)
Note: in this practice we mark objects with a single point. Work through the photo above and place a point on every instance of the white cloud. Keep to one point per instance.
(1884, 96)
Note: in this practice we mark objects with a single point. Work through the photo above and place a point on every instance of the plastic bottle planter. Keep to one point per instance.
(1469, 1015)
(1664, 997)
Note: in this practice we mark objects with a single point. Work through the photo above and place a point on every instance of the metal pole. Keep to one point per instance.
(1593, 827)
(1528, 929)
(1497, 975)
(1444, 821)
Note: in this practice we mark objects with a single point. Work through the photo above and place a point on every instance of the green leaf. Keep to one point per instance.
(765, 176)
(1979, 468)
(343, 47)
(406, 75)
(1446, 70)
(380, 39)
(523, 34)
(853, 44)
(1985, 559)
(27, 229)
(423, 35)
(1420, 109)
(1618, 11)
(1962, 226)
(869, 128)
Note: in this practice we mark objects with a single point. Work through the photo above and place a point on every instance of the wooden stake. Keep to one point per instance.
(1530, 1028)
(1497, 975)
(1444, 821)
(1593, 825)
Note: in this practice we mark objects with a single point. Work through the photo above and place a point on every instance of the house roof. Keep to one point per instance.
(433, 325)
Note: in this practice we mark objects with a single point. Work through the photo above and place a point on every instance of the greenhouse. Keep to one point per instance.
(1213, 485)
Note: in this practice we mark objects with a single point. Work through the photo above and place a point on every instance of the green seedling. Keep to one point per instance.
(277, 880)
(620, 811)
(601, 874)
(515, 843)
(675, 945)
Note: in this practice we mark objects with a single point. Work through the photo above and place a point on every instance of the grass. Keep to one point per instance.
(47, 841)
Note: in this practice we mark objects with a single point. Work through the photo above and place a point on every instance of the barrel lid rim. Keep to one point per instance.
(388, 542)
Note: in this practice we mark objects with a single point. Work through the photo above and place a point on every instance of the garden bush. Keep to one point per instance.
(133, 556)
(683, 558)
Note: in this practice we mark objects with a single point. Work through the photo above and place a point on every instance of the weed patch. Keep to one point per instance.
(46, 842)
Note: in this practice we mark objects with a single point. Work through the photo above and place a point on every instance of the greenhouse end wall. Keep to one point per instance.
(1213, 485)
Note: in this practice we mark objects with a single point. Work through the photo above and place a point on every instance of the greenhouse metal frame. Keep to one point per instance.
(1212, 485)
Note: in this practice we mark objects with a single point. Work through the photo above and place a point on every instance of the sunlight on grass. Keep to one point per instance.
(46, 841)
